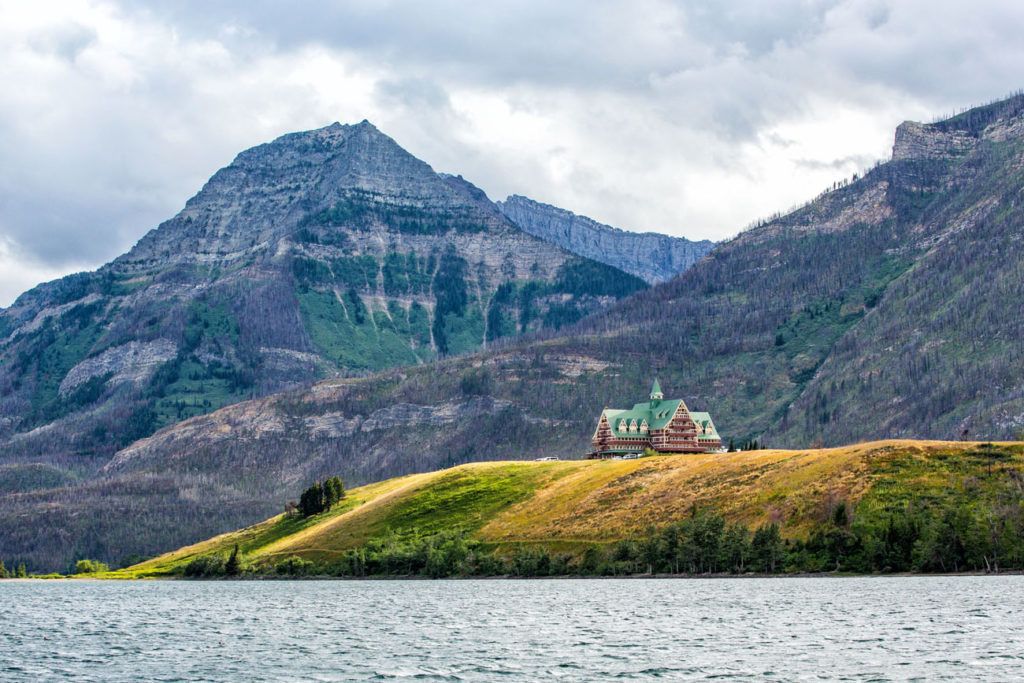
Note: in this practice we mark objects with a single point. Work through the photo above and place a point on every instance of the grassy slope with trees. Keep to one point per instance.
(881, 506)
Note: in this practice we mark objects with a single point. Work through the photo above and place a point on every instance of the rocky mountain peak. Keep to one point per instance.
(269, 190)
(352, 155)
(324, 252)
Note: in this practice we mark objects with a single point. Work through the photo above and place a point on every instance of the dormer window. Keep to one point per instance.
(622, 426)
(643, 427)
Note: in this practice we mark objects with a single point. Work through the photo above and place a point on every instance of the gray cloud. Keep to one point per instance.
(853, 161)
(685, 117)
(412, 93)
(596, 42)
(66, 40)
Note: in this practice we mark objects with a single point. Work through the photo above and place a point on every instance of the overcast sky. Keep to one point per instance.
(690, 118)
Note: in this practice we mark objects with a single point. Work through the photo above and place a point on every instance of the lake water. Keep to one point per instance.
(926, 628)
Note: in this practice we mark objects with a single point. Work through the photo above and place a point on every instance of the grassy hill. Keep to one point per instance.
(604, 512)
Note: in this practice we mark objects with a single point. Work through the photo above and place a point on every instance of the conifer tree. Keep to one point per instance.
(3, 570)
(735, 548)
(334, 491)
(329, 494)
(22, 571)
(233, 567)
(312, 500)
(768, 548)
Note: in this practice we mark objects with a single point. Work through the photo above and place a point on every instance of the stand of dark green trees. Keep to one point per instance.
(944, 540)
(321, 496)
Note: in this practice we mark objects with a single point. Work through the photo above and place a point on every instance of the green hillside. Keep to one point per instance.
(881, 506)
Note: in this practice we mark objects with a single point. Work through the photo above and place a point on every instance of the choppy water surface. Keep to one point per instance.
(951, 628)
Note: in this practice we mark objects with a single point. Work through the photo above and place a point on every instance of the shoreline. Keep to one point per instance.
(573, 577)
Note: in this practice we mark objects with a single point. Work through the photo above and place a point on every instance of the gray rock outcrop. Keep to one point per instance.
(132, 362)
(653, 257)
(995, 122)
(921, 141)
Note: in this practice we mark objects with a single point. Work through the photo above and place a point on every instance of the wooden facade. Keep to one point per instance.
(659, 425)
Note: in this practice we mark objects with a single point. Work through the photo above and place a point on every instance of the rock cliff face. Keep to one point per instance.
(996, 122)
(650, 256)
(133, 362)
(920, 141)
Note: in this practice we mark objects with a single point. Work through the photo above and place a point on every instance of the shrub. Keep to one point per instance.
(205, 565)
(531, 562)
(294, 566)
(90, 567)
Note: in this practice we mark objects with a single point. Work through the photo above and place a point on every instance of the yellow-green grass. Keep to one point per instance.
(253, 540)
(570, 504)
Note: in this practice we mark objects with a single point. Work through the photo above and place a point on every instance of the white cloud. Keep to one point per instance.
(691, 118)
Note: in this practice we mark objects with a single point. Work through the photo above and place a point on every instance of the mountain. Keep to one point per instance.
(886, 307)
(323, 253)
(879, 506)
(651, 256)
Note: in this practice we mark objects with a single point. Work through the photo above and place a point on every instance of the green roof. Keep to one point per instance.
(704, 420)
(658, 414)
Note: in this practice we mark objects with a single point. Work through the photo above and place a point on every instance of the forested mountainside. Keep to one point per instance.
(651, 256)
(324, 253)
(888, 307)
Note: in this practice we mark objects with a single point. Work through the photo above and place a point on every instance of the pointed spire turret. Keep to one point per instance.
(656, 394)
